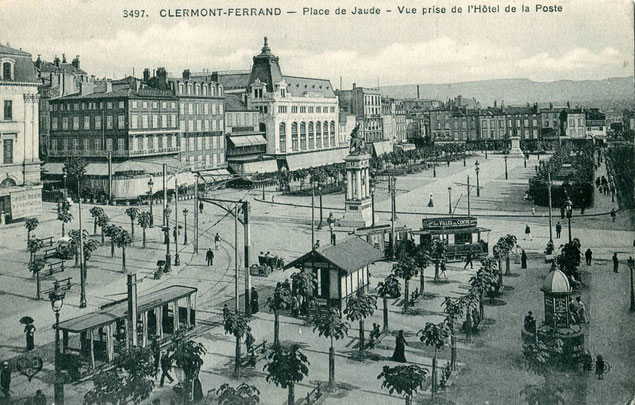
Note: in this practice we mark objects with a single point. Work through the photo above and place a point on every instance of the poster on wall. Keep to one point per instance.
(26, 203)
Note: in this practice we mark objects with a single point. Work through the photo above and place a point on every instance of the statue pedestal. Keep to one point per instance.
(357, 203)
(515, 150)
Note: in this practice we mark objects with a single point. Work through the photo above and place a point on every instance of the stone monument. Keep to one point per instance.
(357, 203)
(515, 150)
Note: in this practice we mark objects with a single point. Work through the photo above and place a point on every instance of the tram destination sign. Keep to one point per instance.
(448, 222)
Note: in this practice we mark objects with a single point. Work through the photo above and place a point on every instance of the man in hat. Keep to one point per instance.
(210, 257)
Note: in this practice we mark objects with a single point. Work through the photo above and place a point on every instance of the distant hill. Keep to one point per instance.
(520, 91)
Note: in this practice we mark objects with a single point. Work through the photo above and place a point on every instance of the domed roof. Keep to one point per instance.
(556, 283)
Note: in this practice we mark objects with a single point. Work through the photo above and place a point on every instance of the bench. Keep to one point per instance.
(49, 253)
(257, 352)
(65, 284)
(313, 396)
(54, 268)
(46, 240)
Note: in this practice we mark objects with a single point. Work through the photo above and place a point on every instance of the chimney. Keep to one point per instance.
(354, 85)
(162, 78)
(63, 58)
(146, 75)
(75, 62)
(418, 93)
(186, 74)
(56, 61)
(108, 86)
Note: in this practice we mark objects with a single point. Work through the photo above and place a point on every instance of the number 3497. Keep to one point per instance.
(134, 13)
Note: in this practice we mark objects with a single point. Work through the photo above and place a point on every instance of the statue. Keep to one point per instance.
(357, 143)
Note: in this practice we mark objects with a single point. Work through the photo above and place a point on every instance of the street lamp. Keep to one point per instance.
(506, 177)
(486, 150)
(449, 200)
(65, 189)
(525, 160)
(150, 185)
(631, 266)
(477, 169)
(372, 202)
(434, 169)
(569, 207)
(57, 302)
(320, 194)
(185, 211)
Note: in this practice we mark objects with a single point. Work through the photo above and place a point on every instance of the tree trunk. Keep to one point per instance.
(422, 282)
(332, 367)
(37, 280)
(102, 236)
(132, 228)
(507, 266)
(112, 247)
(385, 314)
(361, 335)
(276, 329)
(123, 259)
(291, 397)
(95, 226)
(76, 257)
(481, 307)
(28, 238)
(63, 233)
(406, 297)
(144, 238)
(237, 359)
(436, 271)
(433, 389)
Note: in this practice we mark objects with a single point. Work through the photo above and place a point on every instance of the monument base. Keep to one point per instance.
(515, 149)
(358, 214)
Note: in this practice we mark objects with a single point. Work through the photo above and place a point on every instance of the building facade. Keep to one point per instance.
(595, 124)
(575, 125)
(365, 103)
(20, 186)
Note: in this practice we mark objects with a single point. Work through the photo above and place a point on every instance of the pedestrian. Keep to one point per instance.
(249, 340)
(374, 335)
(613, 215)
(200, 207)
(588, 255)
(5, 380)
(216, 241)
(582, 313)
(399, 354)
(600, 367)
(254, 301)
(527, 232)
(272, 198)
(616, 263)
(587, 364)
(166, 366)
(558, 230)
(597, 182)
(197, 388)
(39, 398)
(574, 311)
(467, 325)
(443, 269)
(29, 332)
(431, 202)
(225, 311)
(333, 238)
(210, 257)
(468, 260)
(156, 353)
(523, 260)
(530, 322)
(295, 306)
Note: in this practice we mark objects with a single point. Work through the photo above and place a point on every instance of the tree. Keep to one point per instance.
(30, 225)
(188, 356)
(96, 212)
(75, 169)
(90, 246)
(569, 260)
(405, 268)
(486, 281)
(74, 243)
(438, 251)
(434, 335)
(236, 323)
(35, 266)
(287, 367)
(359, 307)
(134, 385)
(502, 249)
(111, 231)
(133, 213)
(305, 283)
(330, 325)
(243, 394)
(422, 258)
(144, 220)
(542, 358)
(389, 288)
(123, 239)
(33, 247)
(278, 301)
(404, 380)
(64, 217)
(103, 221)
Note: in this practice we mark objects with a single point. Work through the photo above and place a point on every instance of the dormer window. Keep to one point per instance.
(283, 92)
(7, 71)
(258, 93)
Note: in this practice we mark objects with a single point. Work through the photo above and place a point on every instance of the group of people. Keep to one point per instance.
(578, 311)
(163, 360)
(605, 186)
(209, 256)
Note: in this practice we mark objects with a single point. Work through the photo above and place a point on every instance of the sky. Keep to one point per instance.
(588, 39)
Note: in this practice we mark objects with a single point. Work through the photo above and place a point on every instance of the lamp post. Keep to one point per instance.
(485, 150)
(177, 259)
(65, 189)
(150, 185)
(331, 225)
(57, 302)
(434, 169)
(631, 266)
(525, 160)
(320, 195)
(506, 177)
(569, 206)
(477, 169)
(185, 211)
(372, 202)
(449, 200)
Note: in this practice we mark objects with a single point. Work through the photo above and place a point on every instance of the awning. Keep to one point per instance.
(382, 147)
(248, 140)
(215, 174)
(258, 166)
(53, 168)
(450, 231)
(316, 159)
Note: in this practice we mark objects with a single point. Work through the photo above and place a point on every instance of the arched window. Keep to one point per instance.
(311, 136)
(7, 71)
(282, 136)
(181, 88)
(211, 91)
(325, 135)
(303, 135)
(204, 88)
(332, 133)
(8, 182)
(294, 136)
(318, 128)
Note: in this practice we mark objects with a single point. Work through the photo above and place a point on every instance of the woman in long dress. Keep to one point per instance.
(400, 348)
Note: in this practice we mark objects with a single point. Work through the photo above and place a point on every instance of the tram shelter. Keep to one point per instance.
(461, 235)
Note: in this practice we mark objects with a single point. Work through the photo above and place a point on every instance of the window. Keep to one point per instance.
(302, 109)
(109, 122)
(310, 109)
(173, 123)
(54, 123)
(164, 105)
(121, 105)
(294, 136)
(155, 121)
(173, 105)
(325, 135)
(318, 109)
(155, 104)
(206, 125)
(109, 144)
(7, 71)
(121, 143)
(86, 122)
(190, 125)
(220, 108)
(75, 123)
(190, 108)
(164, 120)
(205, 108)
(8, 109)
(121, 122)
(145, 104)
(311, 136)
(97, 122)
(332, 132)
(134, 121)
(150, 142)
(53, 144)
(7, 150)
(140, 143)
(282, 109)
(108, 105)
(294, 109)
(257, 93)
(283, 93)
(282, 129)
(134, 103)
(318, 128)
(199, 126)
(214, 109)
(303, 136)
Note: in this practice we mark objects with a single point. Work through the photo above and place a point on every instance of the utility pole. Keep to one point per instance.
(82, 274)
(177, 259)
(247, 238)
(196, 202)
(132, 310)
(109, 177)
(165, 190)
(469, 212)
(312, 217)
(550, 212)
(236, 290)
(392, 182)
